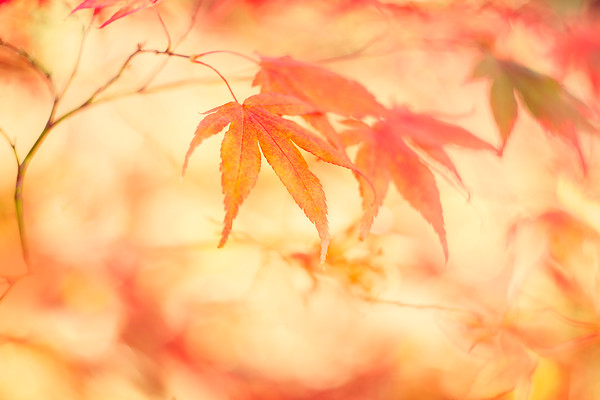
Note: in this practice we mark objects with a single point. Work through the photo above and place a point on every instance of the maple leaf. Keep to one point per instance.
(507, 362)
(385, 155)
(126, 7)
(559, 112)
(580, 48)
(257, 126)
(39, 2)
(324, 89)
(431, 135)
(563, 241)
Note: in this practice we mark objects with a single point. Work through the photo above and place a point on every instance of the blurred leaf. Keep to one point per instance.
(559, 112)
(384, 155)
(126, 7)
(324, 89)
(504, 106)
(579, 48)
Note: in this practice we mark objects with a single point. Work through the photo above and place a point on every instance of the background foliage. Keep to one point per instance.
(460, 141)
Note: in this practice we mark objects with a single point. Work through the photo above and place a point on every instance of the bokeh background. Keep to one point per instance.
(128, 296)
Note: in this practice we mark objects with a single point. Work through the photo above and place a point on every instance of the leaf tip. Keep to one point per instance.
(365, 227)
(324, 248)
(444, 242)
(186, 161)
(222, 241)
(184, 167)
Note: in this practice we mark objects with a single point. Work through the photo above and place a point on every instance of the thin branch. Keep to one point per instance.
(91, 99)
(116, 77)
(416, 306)
(12, 145)
(169, 86)
(50, 124)
(192, 58)
(235, 53)
(168, 53)
(197, 8)
(355, 53)
(162, 65)
(153, 75)
(164, 27)
(22, 164)
(10, 283)
(18, 199)
(86, 33)
(53, 121)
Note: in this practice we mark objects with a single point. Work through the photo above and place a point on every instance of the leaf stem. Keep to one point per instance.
(192, 58)
(84, 37)
(195, 14)
(235, 53)
(164, 27)
(218, 73)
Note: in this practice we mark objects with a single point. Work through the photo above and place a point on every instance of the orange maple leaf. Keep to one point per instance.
(385, 155)
(257, 123)
(126, 7)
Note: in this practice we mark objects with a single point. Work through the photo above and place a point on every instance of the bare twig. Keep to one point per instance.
(86, 33)
(359, 52)
(51, 122)
(54, 120)
(164, 62)
(22, 165)
(194, 59)
(416, 306)
(197, 8)
(12, 144)
(164, 28)
(169, 86)
(235, 53)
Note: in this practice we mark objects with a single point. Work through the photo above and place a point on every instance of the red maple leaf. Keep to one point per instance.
(40, 2)
(126, 7)
(324, 89)
(579, 48)
(257, 126)
(387, 153)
